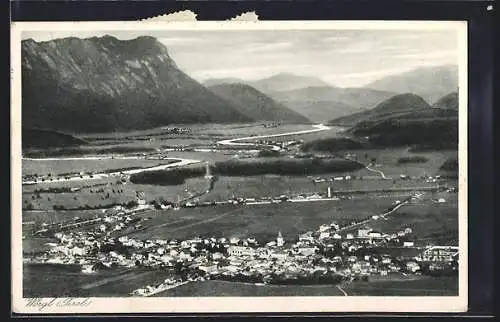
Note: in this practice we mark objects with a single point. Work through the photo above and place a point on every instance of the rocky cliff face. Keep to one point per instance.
(105, 84)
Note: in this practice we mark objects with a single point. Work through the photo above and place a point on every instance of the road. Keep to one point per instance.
(342, 290)
(233, 142)
(368, 220)
(180, 163)
(379, 172)
(177, 163)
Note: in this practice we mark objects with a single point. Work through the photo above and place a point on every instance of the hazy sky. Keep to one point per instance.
(340, 57)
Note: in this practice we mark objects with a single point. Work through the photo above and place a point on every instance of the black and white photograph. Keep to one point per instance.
(273, 161)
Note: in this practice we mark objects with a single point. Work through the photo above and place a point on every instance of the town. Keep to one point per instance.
(332, 254)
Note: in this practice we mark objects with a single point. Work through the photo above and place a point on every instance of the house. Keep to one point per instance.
(363, 233)
(349, 236)
(324, 234)
(306, 236)
(279, 255)
(412, 267)
(337, 236)
(408, 244)
(240, 251)
(386, 260)
(323, 228)
(408, 230)
(375, 234)
(307, 251)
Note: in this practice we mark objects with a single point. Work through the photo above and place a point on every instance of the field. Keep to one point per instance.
(112, 193)
(222, 288)
(260, 221)
(387, 161)
(274, 186)
(430, 221)
(203, 130)
(426, 286)
(67, 280)
(57, 167)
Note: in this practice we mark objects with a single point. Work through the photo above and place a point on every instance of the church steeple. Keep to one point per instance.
(208, 173)
(280, 241)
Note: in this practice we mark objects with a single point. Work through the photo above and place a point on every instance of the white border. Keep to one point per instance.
(240, 304)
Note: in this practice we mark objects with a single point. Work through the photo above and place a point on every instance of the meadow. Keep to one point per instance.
(425, 286)
(111, 193)
(197, 130)
(387, 161)
(65, 166)
(223, 288)
(259, 221)
(67, 280)
(431, 222)
(274, 186)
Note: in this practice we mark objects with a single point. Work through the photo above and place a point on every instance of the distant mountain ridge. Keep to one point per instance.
(401, 103)
(336, 101)
(431, 83)
(103, 84)
(275, 83)
(255, 104)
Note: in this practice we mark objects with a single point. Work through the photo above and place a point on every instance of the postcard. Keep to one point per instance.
(232, 166)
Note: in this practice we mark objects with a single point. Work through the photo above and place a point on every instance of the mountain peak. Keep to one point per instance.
(107, 84)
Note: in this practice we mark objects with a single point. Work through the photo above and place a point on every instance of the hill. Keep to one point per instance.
(402, 103)
(425, 129)
(104, 84)
(449, 101)
(431, 83)
(38, 138)
(256, 105)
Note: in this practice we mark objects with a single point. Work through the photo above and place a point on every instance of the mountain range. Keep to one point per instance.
(319, 100)
(431, 83)
(105, 84)
(275, 83)
(256, 105)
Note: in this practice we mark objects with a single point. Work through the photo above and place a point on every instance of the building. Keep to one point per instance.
(324, 234)
(412, 267)
(375, 234)
(440, 254)
(408, 244)
(308, 236)
(280, 241)
(240, 251)
(363, 233)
